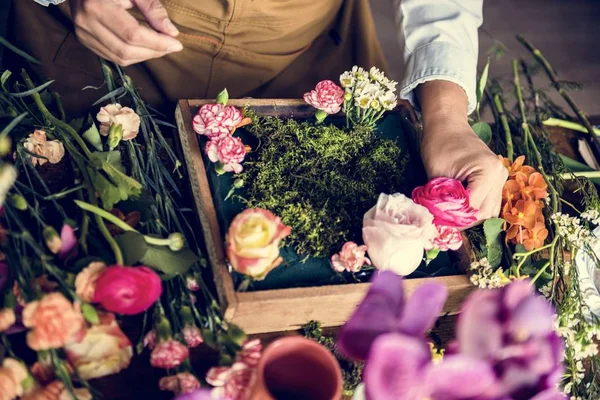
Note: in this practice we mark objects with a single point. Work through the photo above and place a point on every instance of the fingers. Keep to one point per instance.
(157, 16)
(486, 191)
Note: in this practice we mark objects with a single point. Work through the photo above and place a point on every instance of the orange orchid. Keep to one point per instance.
(534, 238)
(517, 166)
(511, 193)
(533, 187)
(524, 213)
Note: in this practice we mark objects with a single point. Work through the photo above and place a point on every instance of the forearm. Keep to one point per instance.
(441, 103)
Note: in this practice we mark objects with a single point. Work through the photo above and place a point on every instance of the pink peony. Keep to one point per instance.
(86, 280)
(48, 150)
(229, 151)
(192, 336)
(327, 97)
(448, 239)
(448, 201)
(396, 232)
(169, 354)
(216, 120)
(183, 382)
(127, 290)
(351, 258)
(253, 242)
(119, 115)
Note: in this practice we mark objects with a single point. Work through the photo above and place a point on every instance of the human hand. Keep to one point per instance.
(106, 28)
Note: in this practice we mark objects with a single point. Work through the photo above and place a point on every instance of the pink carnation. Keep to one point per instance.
(229, 151)
(216, 120)
(351, 258)
(183, 382)
(192, 284)
(232, 383)
(250, 353)
(150, 340)
(448, 239)
(448, 201)
(192, 336)
(169, 354)
(327, 97)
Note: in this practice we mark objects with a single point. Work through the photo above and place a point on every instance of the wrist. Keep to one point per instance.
(443, 104)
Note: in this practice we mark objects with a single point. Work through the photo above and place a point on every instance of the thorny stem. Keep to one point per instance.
(504, 120)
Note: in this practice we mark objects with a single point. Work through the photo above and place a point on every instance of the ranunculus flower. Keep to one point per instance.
(229, 151)
(192, 336)
(253, 242)
(52, 151)
(351, 258)
(12, 375)
(448, 239)
(104, 350)
(117, 114)
(448, 201)
(216, 120)
(127, 290)
(169, 354)
(86, 280)
(183, 382)
(7, 318)
(327, 97)
(396, 231)
(54, 322)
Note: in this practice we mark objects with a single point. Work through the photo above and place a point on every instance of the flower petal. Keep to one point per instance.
(68, 239)
(478, 331)
(423, 309)
(442, 379)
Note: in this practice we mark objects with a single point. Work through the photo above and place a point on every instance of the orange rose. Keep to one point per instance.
(7, 318)
(54, 322)
(104, 350)
(253, 242)
(85, 282)
(12, 375)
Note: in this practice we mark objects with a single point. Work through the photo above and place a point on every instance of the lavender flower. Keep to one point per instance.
(200, 394)
(384, 310)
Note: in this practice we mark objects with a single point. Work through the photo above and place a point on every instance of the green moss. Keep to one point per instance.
(319, 179)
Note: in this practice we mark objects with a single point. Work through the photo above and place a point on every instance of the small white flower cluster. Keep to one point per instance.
(546, 290)
(485, 277)
(571, 229)
(592, 216)
(368, 90)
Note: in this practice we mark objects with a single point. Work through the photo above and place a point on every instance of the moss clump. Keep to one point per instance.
(320, 179)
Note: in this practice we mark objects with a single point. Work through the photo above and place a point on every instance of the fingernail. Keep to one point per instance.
(170, 28)
(175, 47)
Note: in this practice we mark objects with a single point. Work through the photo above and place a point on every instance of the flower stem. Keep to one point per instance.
(540, 272)
(104, 214)
(582, 174)
(504, 120)
(574, 126)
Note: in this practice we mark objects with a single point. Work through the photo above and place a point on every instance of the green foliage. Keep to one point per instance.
(351, 371)
(484, 131)
(319, 179)
(493, 239)
(110, 181)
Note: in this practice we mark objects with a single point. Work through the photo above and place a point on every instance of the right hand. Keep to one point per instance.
(106, 28)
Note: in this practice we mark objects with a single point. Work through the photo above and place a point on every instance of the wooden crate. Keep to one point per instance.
(282, 309)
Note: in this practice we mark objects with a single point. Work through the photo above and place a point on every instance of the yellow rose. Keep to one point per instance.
(253, 242)
(104, 350)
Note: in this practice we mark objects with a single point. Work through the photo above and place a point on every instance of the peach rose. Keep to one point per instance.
(104, 350)
(253, 242)
(117, 114)
(7, 318)
(85, 282)
(12, 375)
(54, 322)
(37, 143)
(396, 231)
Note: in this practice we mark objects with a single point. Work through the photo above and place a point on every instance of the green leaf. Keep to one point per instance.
(484, 131)
(92, 136)
(115, 93)
(482, 81)
(5, 75)
(12, 124)
(32, 91)
(18, 51)
(89, 313)
(223, 97)
(576, 166)
(170, 262)
(493, 240)
(110, 181)
(133, 246)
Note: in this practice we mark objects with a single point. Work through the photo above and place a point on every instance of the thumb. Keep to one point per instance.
(156, 15)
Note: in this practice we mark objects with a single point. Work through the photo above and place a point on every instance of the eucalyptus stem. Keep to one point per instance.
(504, 120)
(552, 76)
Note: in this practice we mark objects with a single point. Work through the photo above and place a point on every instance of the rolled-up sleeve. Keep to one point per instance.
(440, 43)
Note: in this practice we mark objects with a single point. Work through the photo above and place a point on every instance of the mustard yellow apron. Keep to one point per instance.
(258, 48)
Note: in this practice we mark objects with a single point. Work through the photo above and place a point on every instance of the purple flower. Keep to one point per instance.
(399, 367)
(200, 394)
(3, 272)
(511, 328)
(384, 310)
(68, 241)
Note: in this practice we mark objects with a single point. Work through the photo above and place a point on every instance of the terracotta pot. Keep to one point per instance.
(296, 368)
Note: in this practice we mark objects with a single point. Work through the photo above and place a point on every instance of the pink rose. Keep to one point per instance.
(229, 151)
(396, 232)
(86, 280)
(183, 382)
(216, 120)
(327, 97)
(448, 239)
(127, 290)
(448, 201)
(169, 354)
(192, 336)
(119, 115)
(351, 258)
(253, 242)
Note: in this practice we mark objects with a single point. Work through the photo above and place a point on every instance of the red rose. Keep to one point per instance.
(448, 201)
(327, 96)
(229, 151)
(127, 290)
